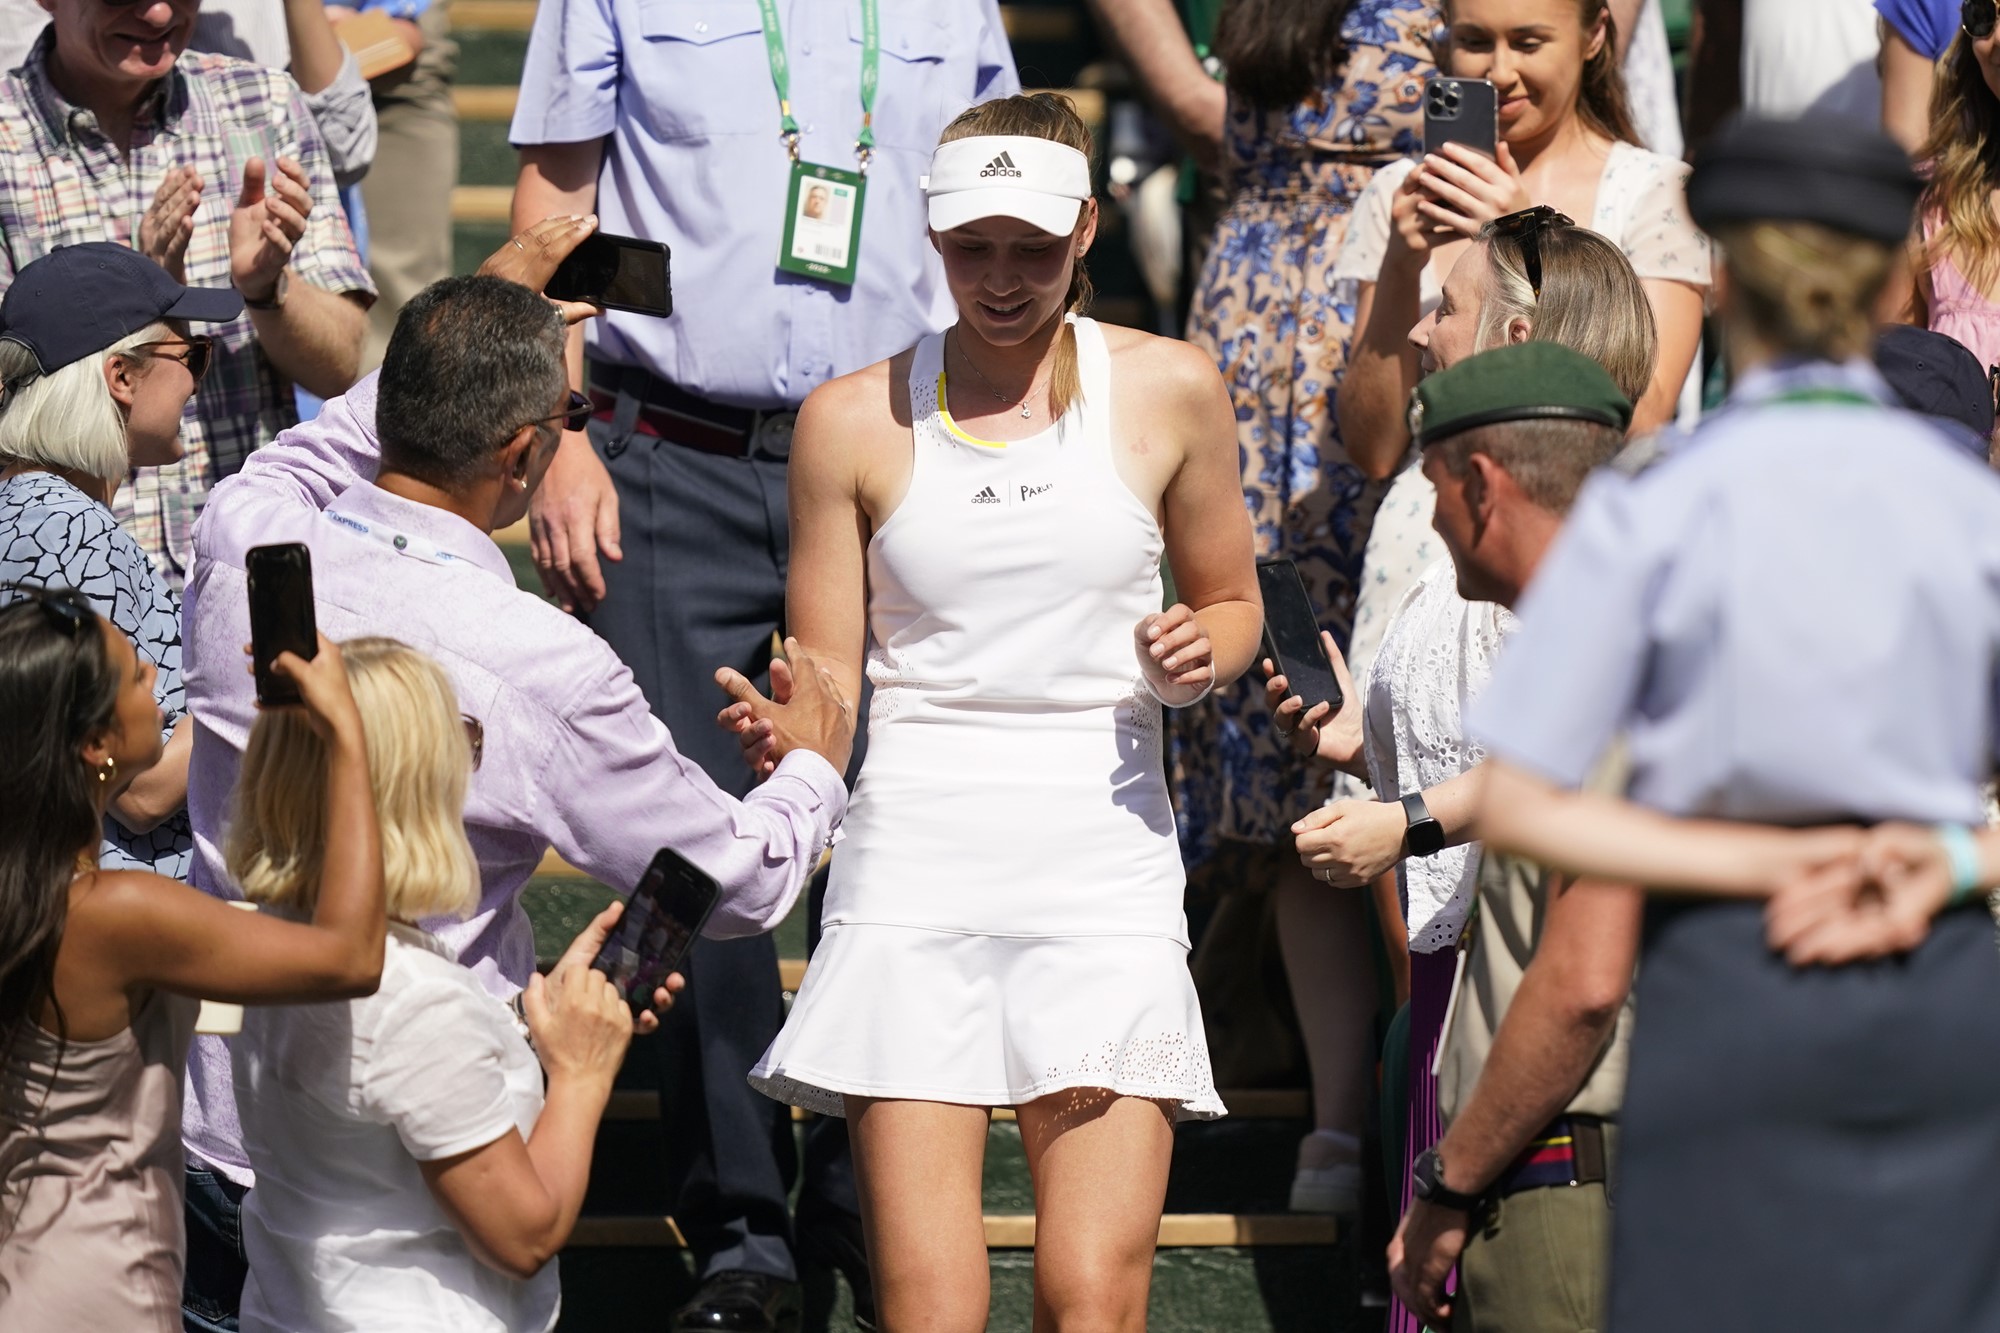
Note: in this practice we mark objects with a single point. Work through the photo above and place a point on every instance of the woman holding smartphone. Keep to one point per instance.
(100, 969)
(412, 1169)
(978, 524)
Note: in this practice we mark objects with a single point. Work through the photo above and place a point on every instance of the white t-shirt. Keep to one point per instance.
(1812, 55)
(340, 1102)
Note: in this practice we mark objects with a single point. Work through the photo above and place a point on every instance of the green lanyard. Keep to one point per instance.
(781, 77)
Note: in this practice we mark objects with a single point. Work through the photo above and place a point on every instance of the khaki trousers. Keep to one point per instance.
(408, 190)
(1537, 1261)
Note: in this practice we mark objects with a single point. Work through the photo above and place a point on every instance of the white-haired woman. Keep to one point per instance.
(96, 367)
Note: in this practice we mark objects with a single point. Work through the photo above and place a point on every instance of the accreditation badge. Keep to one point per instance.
(822, 223)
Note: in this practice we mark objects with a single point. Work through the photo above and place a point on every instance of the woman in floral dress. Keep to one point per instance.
(1310, 121)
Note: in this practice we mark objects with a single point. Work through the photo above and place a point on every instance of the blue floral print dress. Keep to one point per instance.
(1270, 311)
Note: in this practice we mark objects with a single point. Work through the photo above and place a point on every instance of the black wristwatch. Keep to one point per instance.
(1425, 836)
(1427, 1183)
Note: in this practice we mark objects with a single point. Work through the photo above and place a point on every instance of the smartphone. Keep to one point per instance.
(1291, 636)
(618, 273)
(661, 919)
(1463, 111)
(281, 615)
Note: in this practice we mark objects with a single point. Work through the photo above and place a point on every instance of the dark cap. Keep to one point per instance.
(81, 299)
(1937, 376)
(1840, 173)
(1527, 381)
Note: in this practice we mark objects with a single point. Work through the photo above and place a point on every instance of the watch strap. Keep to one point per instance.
(276, 300)
(1424, 836)
(1427, 1183)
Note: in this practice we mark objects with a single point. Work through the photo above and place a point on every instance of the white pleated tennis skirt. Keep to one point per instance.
(917, 1014)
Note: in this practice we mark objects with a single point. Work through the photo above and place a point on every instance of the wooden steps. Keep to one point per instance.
(1015, 1231)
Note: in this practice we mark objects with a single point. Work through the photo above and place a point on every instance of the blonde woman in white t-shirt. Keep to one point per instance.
(412, 1172)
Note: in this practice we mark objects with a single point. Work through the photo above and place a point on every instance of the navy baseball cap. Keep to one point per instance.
(80, 299)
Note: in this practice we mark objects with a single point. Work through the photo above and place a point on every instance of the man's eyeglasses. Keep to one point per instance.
(575, 415)
(475, 736)
(1525, 229)
(66, 610)
(1977, 18)
(197, 354)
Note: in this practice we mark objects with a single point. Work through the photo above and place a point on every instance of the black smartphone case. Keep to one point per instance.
(1463, 111)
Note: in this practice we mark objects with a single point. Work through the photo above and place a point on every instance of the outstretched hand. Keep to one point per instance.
(806, 711)
(1321, 732)
(532, 258)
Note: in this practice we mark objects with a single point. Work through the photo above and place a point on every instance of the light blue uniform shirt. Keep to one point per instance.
(695, 159)
(1794, 617)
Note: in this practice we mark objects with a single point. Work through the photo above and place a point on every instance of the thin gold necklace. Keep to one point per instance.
(1026, 396)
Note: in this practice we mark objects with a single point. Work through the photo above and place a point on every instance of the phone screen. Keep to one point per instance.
(617, 272)
(281, 614)
(1291, 635)
(661, 920)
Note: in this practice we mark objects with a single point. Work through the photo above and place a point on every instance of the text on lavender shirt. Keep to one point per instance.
(573, 756)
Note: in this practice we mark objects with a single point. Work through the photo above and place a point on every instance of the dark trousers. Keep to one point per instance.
(212, 1285)
(701, 586)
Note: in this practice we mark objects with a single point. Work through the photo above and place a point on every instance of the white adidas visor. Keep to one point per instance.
(1039, 181)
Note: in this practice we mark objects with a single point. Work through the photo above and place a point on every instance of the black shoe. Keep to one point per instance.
(829, 1239)
(734, 1301)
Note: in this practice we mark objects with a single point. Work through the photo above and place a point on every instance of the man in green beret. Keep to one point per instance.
(1532, 1058)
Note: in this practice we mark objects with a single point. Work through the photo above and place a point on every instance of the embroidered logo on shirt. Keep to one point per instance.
(1030, 492)
(1002, 165)
(986, 496)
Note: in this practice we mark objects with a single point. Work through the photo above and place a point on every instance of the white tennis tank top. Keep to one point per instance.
(1013, 783)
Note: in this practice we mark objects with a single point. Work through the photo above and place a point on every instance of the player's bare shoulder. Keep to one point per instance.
(1168, 388)
(853, 413)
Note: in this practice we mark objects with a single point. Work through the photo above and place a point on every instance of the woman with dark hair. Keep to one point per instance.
(1957, 263)
(99, 968)
(1322, 95)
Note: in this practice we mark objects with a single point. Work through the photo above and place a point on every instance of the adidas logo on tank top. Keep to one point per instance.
(986, 496)
(1002, 165)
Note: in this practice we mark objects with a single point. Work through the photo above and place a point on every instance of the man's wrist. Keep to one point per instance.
(271, 297)
(1432, 1182)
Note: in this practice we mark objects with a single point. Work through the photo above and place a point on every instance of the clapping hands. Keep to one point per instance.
(1856, 894)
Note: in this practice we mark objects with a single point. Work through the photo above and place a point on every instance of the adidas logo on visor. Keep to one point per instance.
(1002, 165)
(986, 497)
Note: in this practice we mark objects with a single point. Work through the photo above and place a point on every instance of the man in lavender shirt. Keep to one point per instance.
(395, 488)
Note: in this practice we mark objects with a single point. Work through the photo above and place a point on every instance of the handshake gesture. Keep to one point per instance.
(1857, 894)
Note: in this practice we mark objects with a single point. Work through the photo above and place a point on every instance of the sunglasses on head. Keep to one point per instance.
(1977, 18)
(575, 415)
(197, 354)
(1525, 229)
(66, 610)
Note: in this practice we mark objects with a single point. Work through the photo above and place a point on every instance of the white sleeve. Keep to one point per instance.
(436, 1070)
(344, 110)
(1368, 223)
(1660, 238)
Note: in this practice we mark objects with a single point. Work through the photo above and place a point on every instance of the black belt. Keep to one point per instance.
(664, 411)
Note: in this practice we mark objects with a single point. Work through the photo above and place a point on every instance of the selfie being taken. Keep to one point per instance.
(956, 665)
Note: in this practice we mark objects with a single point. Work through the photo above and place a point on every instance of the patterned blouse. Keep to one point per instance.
(53, 534)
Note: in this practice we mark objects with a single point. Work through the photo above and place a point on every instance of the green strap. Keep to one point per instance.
(1848, 397)
(781, 76)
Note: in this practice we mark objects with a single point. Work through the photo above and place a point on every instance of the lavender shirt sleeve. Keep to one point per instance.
(616, 790)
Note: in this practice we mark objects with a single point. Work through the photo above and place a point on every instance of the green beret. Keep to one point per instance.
(1527, 381)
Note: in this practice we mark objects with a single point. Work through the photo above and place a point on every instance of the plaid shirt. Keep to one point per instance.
(62, 183)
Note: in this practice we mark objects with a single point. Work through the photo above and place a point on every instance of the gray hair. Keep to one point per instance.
(67, 419)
